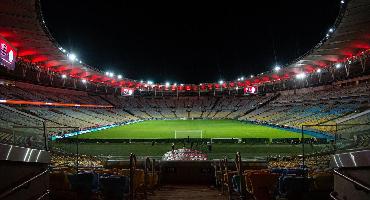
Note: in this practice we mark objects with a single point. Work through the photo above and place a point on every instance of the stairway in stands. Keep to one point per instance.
(182, 192)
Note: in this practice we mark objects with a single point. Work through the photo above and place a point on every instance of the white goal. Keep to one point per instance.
(188, 133)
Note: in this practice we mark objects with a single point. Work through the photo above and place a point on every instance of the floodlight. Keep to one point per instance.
(277, 68)
(119, 76)
(301, 75)
(64, 76)
(84, 80)
(72, 57)
(221, 82)
(338, 65)
(167, 84)
(318, 70)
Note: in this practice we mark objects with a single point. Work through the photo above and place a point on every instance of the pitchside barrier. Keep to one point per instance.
(251, 141)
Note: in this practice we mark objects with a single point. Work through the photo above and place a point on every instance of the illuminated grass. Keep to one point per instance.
(162, 129)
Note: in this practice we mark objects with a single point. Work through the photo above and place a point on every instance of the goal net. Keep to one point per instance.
(188, 133)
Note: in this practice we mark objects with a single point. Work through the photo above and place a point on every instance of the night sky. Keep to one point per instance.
(188, 41)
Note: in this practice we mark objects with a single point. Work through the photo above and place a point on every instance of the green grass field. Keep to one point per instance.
(162, 129)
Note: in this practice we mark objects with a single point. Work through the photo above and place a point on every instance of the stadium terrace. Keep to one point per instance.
(71, 131)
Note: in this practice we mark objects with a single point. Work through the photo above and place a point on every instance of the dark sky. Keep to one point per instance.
(188, 41)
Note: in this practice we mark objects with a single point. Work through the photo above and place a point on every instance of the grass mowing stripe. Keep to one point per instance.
(211, 129)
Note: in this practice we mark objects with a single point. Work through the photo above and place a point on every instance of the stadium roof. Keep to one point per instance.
(23, 26)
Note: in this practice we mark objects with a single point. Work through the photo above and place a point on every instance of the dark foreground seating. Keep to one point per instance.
(114, 187)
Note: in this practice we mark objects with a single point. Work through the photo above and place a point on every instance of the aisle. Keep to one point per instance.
(186, 192)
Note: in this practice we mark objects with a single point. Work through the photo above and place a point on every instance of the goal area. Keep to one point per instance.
(188, 133)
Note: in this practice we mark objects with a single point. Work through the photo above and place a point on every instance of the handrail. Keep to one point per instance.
(43, 195)
(132, 174)
(333, 195)
(239, 167)
(14, 189)
(352, 180)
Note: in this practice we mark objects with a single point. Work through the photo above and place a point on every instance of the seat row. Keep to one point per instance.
(105, 183)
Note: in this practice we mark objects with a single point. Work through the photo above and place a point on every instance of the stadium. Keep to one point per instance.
(72, 131)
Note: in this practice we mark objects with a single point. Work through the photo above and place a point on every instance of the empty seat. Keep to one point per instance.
(261, 184)
(114, 187)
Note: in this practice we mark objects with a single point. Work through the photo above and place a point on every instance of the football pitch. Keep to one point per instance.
(166, 129)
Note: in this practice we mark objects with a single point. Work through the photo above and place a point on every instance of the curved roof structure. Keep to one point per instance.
(22, 24)
(347, 38)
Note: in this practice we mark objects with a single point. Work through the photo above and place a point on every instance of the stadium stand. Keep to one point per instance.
(37, 105)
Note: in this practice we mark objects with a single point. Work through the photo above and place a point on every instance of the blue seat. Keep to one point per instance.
(295, 171)
(236, 183)
(293, 187)
(84, 183)
(277, 170)
(114, 187)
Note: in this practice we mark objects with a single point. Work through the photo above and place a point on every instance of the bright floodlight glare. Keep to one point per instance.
(252, 76)
(277, 68)
(342, 2)
(338, 65)
(167, 84)
(111, 74)
(221, 82)
(72, 57)
(318, 70)
(83, 80)
(150, 82)
(242, 78)
(107, 73)
(119, 76)
(64, 76)
(175, 84)
(331, 30)
(301, 76)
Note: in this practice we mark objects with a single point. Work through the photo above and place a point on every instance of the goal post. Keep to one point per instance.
(188, 133)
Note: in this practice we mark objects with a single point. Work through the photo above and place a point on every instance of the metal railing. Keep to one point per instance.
(358, 184)
(24, 183)
(361, 186)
